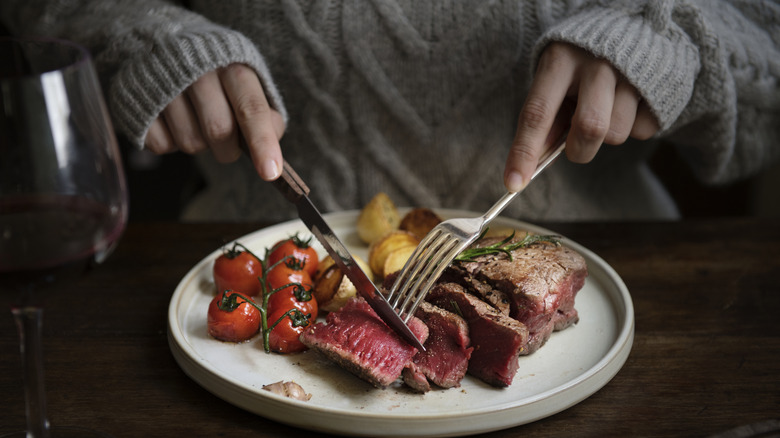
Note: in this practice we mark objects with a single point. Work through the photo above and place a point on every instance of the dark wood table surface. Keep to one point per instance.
(705, 359)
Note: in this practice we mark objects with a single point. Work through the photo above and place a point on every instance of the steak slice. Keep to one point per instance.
(486, 292)
(358, 340)
(496, 338)
(415, 378)
(447, 350)
(563, 320)
(540, 282)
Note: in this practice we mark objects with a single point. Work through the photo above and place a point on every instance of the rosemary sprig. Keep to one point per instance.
(506, 246)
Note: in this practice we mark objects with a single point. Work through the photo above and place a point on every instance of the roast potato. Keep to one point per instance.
(381, 249)
(326, 283)
(396, 260)
(377, 218)
(332, 288)
(419, 221)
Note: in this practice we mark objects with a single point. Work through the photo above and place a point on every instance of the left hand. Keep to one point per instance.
(572, 88)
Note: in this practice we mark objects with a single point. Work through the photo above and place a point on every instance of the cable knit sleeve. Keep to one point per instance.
(708, 70)
(146, 52)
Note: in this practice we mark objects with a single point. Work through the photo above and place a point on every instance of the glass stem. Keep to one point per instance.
(29, 321)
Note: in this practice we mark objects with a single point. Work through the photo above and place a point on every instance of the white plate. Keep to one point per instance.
(574, 364)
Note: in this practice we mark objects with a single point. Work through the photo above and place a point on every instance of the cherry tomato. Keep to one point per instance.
(238, 270)
(285, 335)
(231, 318)
(297, 295)
(294, 297)
(299, 248)
(286, 273)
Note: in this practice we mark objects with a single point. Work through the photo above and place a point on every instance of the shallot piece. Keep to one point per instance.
(288, 389)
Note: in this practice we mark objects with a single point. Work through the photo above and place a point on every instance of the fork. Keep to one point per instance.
(442, 244)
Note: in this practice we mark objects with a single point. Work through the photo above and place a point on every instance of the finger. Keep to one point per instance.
(277, 121)
(536, 119)
(623, 113)
(255, 119)
(590, 123)
(215, 117)
(158, 138)
(184, 126)
(645, 125)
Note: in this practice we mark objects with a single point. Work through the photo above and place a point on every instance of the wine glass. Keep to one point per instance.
(63, 197)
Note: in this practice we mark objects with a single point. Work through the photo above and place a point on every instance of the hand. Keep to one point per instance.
(214, 112)
(574, 89)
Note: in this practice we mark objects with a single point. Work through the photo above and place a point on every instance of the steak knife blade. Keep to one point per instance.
(295, 190)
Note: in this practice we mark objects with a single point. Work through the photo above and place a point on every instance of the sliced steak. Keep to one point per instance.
(559, 321)
(496, 338)
(358, 340)
(540, 281)
(415, 378)
(486, 292)
(447, 350)
(563, 320)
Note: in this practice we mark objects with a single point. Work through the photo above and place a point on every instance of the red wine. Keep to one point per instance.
(44, 236)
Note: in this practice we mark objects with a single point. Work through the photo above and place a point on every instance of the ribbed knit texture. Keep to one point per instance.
(146, 88)
(661, 62)
(420, 98)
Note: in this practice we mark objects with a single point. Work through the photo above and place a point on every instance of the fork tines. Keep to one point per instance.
(433, 254)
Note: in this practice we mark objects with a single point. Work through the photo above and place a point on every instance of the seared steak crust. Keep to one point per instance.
(488, 294)
(540, 282)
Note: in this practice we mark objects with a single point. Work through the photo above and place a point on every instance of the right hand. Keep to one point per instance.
(573, 88)
(214, 112)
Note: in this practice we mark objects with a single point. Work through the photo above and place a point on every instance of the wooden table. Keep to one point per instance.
(706, 356)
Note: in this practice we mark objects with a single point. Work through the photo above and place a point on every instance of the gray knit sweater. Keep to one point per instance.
(420, 98)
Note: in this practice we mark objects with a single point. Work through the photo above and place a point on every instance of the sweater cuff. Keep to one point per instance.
(644, 45)
(145, 86)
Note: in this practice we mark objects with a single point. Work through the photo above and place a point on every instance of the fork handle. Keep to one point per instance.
(508, 197)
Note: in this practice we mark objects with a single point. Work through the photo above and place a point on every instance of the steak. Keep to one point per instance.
(358, 340)
(415, 378)
(484, 291)
(447, 350)
(497, 339)
(540, 282)
(479, 318)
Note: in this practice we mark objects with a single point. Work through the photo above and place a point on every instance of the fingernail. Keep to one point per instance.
(514, 181)
(270, 170)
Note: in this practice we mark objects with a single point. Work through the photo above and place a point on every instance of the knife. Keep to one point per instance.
(295, 190)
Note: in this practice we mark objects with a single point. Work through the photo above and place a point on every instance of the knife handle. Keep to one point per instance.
(290, 184)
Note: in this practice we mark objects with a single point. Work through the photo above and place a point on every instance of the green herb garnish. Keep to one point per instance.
(506, 246)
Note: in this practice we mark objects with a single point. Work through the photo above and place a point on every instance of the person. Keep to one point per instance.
(440, 103)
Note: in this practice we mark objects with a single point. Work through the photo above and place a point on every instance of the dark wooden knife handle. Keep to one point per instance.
(290, 184)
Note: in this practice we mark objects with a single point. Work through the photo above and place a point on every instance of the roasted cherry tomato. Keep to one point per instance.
(238, 270)
(294, 297)
(296, 292)
(299, 248)
(231, 318)
(285, 334)
(288, 272)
